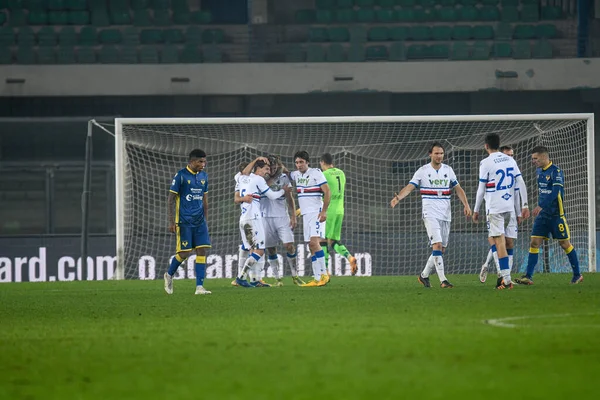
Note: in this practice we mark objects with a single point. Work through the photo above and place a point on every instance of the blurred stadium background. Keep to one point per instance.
(63, 62)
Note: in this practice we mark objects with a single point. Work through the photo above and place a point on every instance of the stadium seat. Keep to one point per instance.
(397, 52)
(78, 18)
(358, 34)
(149, 55)
(160, 4)
(130, 36)
(448, 14)
(469, 3)
(65, 55)
(3, 18)
(406, 3)
(201, 17)
(344, 3)
(509, 14)
(376, 53)
(483, 32)
(213, 36)
(365, 15)
(141, 18)
(425, 14)
(37, 17)
(420, 32)
(140, 4)
(5, 55)
(364, 3)
(405, 15)
(86, 55)
(468, 13)
(162, 18)
(151, 36)
(441, 32)
(17, 18)
(385, 15)
(58, 18)
(76, 5)
(522, 49)
(510, 3)
(56, 4)
(343, 16)
(524, 32)
(384, 3)
(305, 16)
(530, 13)
(480, 51)
(315, 53)
(25, 55)
(426, 3)
(46, 55)
(488, 13)
(489, 2)
(546, 31)
(67, 36)
(169, 55)
(193, 35)
(324, 17)
(129, 55)
(542, 49)
(88, 36)
(462, 32)
(335, 53)
(100, 18)
(295, 53)
(179, 5)
(502, 50)
(338, 34)
(460, 51)
(439, 51)
(190, 54)
(7, 37)
(120, 17)
(504, 31)
(378, 34)
(399, 33)
(110, 36)
(108, 55)
(181, 17)
(551, 13)
(173, 36)
(325, 4)
(417, 52)
(356, 53)
(25, 37)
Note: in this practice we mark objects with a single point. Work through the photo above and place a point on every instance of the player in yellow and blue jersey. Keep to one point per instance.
(549, 215)
(188, 204)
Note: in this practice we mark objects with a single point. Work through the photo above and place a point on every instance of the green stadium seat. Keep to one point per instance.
(358, 34)
(417, 52)
(424, 14)
(439, 51)
(46, 37)
(25, 37)
(169, 55)
(530, 1)
(76, 5)
(100, 18)
(364, 3)
(140, 4)
(324, 17)
(365, 15)
(149, 55)
(399, 33)
(14, 5)
(462, 32)
(325, 4)
(86, 55)
(193, 35)
(335, 53)
(524, 32)
(510, 3)
(25, 55)
(530, 13)
(129, 55)
(151, 36)
(315, 53)
(110, 36)
(420, 32)
(489, 2)
(78, 18)
(56, 5)
(201, 17)
(141, 18)
(3, 18)
(88, 36)
(502, 50)
(7, 37)
(378, 34)
(385, 3)
(483, 32)
(173, 36)
(338, 34)
(397, 52)
(318, 35)
(385, 15)
(38, 17)
(522, 49)
(406, 3)
(468, 3)
(17, 18)
(542, 49)
(65, 55)
(376, 53)
(446, 3)
(190, 55)
(213, 36)
(426, 3)
(488, 13)
(356, 53)
(405, 15)
(480, 51)
(441, 32)
(120, 17)
(504, 31)
(181, 17)
(460, 51)
(159, 4)
(6, 56)
(46, 55)
(178, 5)
(552, 13)
(345, 3)
(468, 14)
(447, 14)
(131, 36)
(509, 14)
(295, 54)
(546, 31)
(344, 16)
(305, 16)
(58, 18)
(162, 18)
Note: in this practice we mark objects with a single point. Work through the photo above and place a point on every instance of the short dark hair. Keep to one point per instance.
(505, 148)
(303, 155)
(327, 158)
(435, 144)
(197, 153)
(273, 159)
(259, 164)
(492, 140)
(242, 166)
(539, 150)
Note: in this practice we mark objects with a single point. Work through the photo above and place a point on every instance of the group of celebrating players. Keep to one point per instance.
(263, 190)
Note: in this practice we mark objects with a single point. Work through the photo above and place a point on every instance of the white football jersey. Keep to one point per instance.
(278, 207)
(436, 190)
(255, 186)
(499, 173)
(308, 186)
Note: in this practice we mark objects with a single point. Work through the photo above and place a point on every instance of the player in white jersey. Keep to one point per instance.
(313, 199)
(251, 220)
(435, 182)
(498, 177)
(512, 229)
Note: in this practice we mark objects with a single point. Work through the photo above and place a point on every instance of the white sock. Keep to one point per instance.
(510, 262)
(258, 269)
(291, 258)
(250, 262)
(506, 276)
(439, 267)
(427, 270)
(496, 262)
(316, 268)
(320, 264)
(274, 264)
(242, 256)
(489, 257)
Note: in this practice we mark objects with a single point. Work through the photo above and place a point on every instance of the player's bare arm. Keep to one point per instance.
(237, 199)
(479, 200)
(403, 193)
(250, 167)
(326, 200)
(462, 196)
(291, 203)
(171, 208)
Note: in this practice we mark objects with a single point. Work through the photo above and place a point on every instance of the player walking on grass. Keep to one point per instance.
(499, 175)
(188, 204)
(336, 180)
(313, 198)
(549, 215)
(435, 182)
(512, 230)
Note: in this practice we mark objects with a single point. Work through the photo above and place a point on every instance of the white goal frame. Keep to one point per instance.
(120, 153)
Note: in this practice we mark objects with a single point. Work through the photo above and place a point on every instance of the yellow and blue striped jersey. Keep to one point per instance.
(551, 190)
(190, 187)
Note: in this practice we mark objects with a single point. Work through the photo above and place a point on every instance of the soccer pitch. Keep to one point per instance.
(377, 337)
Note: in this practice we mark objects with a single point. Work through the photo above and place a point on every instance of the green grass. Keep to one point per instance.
(356, 338)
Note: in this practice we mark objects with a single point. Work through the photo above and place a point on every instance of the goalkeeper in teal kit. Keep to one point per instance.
(549, 215)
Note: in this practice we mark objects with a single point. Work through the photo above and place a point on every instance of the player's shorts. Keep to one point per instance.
(253, 234)
(438, 231)
(277, 230)
(512, 229)
(556, 226)
(192, 237)
(312, 226)
(333, 230)
(497, 224)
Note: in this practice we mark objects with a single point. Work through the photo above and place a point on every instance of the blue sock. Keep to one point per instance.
(503, 262)
(493, 248)
(532, 261)
(175, 263)
(572, 254)
(200, 270)
(510, 251)
(436, 253)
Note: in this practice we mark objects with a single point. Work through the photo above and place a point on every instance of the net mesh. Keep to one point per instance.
(379, 158)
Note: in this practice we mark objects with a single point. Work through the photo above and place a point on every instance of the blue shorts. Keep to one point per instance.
(192, 237)
(556, 226)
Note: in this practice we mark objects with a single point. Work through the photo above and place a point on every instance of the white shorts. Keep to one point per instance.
(253, 234)
(497, 224)
(278, 230)
(312, 226)
(512, 229)
(437, 231)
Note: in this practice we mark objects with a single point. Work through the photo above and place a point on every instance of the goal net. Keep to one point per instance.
(379, 156)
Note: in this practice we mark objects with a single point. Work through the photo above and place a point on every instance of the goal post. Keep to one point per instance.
(379, 155)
